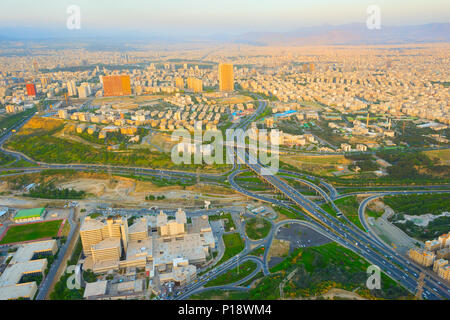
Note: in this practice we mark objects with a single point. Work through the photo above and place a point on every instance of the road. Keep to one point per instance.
(50, 277)
(341, 231)
(377, 253)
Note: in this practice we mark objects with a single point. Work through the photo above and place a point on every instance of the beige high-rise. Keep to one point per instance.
(93, 232)
(226, 77)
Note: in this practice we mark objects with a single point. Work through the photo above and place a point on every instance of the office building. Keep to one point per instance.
(93, 231)
(28, 261)
(169, 247)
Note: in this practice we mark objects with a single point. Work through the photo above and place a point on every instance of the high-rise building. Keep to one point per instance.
(195, 84)
(179, 83)
(45, 81)
(226, 77)
(93, 232)
(71, 88)
(116, 86)
(31, 90)
(84, 90)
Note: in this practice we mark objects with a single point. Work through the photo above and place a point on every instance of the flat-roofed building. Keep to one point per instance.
(444, 240)
(432, 245)
(93, 231)
(108, 249)
(444, 272)
(19, 291)
(139, 254)
(171, 228)
(180, 274)
(30, 251)
(439, 263)
(138, 230)
(443, 253)
(29, 215)
(423, 257)
(10, 286)
(95, 289)
(118, 85)
(171, 244)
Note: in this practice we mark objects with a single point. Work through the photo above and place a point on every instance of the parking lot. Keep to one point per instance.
(300, 237)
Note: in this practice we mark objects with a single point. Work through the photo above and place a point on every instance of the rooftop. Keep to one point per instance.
(13, 273)
(95, 289)
(18, 291)
(27, 251)
(29, 213)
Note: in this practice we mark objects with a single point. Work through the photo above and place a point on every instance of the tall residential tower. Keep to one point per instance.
(226, 77)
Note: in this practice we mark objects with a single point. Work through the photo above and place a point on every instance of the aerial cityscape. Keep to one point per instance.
(257, 158)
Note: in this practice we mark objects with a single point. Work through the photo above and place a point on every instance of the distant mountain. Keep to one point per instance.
(349, 34)
(352, 34)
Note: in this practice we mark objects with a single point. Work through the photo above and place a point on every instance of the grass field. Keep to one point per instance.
(325, 267)
(27, 232)
(233, 275)
(442, 155)
(233, 245)
(228, 221)
(323, 165)
(257, 228)
(349, 207)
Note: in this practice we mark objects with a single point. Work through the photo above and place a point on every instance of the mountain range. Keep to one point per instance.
(349, 34)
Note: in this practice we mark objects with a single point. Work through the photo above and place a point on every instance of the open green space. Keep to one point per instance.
(62, 292)
(229, 224)
(5, 159)
(418, 204)
(349, 207)
(27, 232)
(233, 275)
(325, 267)
(318, 269)
(257, 252)
(42, 145)
(257, 228)
(219, 295)
(6, 122)
(233, 245)
(49, 191)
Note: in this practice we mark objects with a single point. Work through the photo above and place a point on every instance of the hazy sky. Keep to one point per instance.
(212, 16)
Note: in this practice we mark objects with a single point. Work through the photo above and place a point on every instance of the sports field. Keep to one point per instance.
(32, 231)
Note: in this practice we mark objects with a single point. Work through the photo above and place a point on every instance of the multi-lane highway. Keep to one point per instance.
(340, 230)
(378, 253)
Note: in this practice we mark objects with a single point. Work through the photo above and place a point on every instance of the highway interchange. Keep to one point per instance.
(338, 229)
